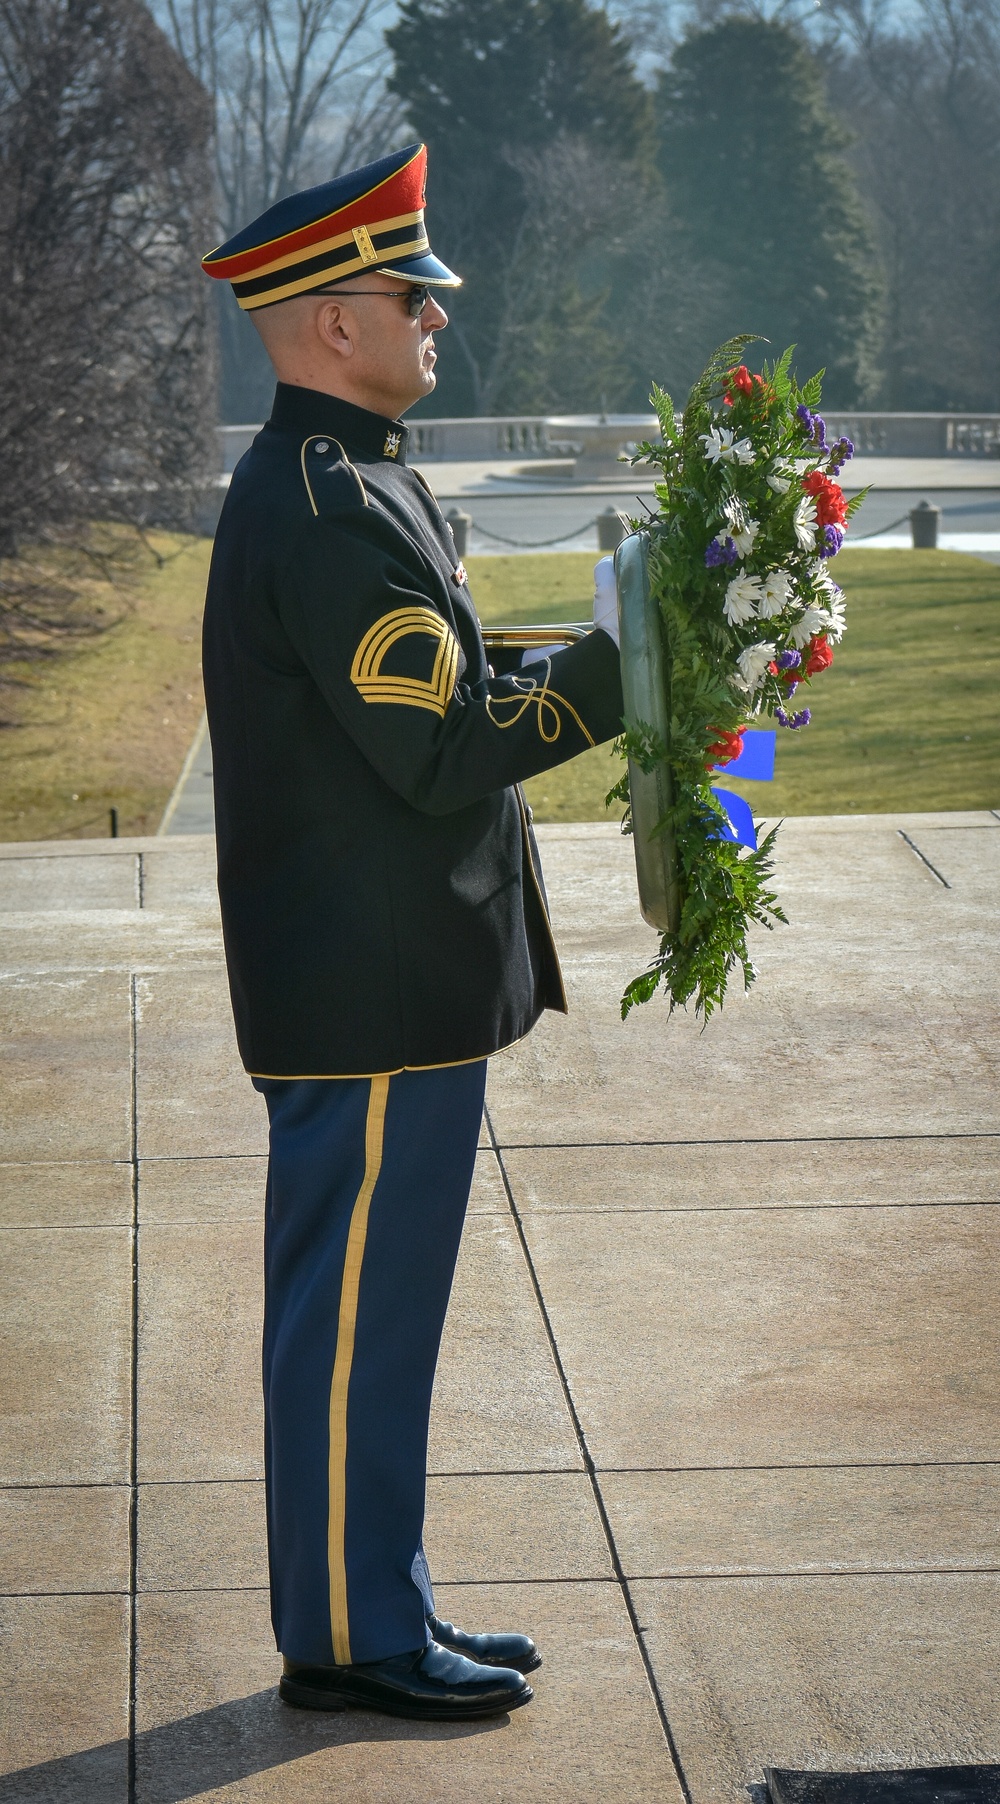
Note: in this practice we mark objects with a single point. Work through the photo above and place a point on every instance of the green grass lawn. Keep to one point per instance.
(907, 718)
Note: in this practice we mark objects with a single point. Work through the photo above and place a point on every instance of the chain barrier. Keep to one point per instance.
(532, 544)
(855, 538)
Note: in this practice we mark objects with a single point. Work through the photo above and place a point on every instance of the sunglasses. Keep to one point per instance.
(416, 298)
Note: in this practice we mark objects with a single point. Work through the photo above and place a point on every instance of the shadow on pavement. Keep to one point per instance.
(214, 1748)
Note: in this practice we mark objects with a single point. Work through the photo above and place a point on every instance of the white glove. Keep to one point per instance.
(536, 654)
(606, 597)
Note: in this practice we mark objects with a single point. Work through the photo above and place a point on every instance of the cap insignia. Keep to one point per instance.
(391, 446)
(366, 249)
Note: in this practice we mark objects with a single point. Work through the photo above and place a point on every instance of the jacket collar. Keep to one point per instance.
(367, 435)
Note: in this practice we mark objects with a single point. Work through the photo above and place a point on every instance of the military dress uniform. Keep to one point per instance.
(386, 930)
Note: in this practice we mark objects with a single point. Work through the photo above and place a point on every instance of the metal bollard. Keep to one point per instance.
(611, 530)
(113, 822)
(460, 524)
(924, 522)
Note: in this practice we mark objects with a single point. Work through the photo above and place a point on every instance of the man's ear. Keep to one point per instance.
(335, 329)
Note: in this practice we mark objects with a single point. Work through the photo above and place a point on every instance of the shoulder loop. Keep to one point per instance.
(337, 479)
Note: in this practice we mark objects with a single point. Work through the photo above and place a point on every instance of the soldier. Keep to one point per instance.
(384, 916)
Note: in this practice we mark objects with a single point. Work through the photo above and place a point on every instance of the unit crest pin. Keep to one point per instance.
(391, 446)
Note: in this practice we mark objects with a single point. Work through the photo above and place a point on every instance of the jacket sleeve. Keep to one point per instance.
(364, 615)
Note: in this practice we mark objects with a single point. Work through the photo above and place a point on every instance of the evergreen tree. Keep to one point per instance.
(538, 130)
(760, 188)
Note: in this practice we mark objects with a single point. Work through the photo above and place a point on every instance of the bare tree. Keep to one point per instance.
(298, 92)
(297, 87)
(106, 409)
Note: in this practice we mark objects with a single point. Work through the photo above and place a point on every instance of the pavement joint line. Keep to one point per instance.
(619, 1573)
(947, 1465)
(561, 1146)
(975, 1202)
(923, 858)
(133, 1517)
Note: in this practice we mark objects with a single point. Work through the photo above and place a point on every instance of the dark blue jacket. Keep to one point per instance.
(381, 895)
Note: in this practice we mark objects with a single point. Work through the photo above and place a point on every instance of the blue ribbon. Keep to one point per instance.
(756, 760)
(739, 825)
(756, 763)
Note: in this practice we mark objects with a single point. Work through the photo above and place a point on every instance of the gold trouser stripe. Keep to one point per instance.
(346, 1324)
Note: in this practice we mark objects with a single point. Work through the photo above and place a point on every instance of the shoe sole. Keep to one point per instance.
(304, 1697)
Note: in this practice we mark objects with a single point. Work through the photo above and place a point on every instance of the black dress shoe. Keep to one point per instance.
(433, 1682)
(517, 1651)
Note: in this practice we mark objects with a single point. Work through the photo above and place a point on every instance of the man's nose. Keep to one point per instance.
(434, 315)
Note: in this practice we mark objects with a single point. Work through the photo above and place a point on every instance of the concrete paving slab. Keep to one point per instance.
(791, 1337)
(200, 1318)
(210, 1536)
(48, 1194)
(231, 1188)
(494, 1528)
(65, 1346)
(57, 882)
(185, 879)
(740, 1175)
(64, 1538)
(836, 1673)
(209, 1719)
(504, 1527)
(897, 1024)
(963, 861)
(71, 941)
(793, 1270)
(226, 1188)
(193, 1096)
(498, 1404)
(838, 1519)
(65, 1079)
(64, 1700)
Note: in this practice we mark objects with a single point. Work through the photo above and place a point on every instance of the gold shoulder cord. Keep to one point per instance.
(547, 701)
(315, 438)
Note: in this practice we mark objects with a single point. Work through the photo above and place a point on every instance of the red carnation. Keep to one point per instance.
(819, 654)
(742, 379)
(831, 507)
(724, 749)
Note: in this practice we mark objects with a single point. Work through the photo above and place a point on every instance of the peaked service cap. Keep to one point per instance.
(371, 218)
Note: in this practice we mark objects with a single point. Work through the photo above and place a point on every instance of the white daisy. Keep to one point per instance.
(777, 594)
(743, 537)
(780, 481)
(834, 618)
(810, 622)
(752, 665)
(742, 596)
(719, 446)
(718, 443)
(804, 522)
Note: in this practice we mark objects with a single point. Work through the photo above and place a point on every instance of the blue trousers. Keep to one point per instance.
(368, 1182)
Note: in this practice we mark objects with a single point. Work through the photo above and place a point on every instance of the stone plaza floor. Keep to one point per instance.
(716, 1418)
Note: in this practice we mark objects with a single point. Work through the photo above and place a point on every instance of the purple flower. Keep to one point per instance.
(814, 424)
(840, 454)
(833, 538)
(720, 552)
(789, 660)
(801, 719)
